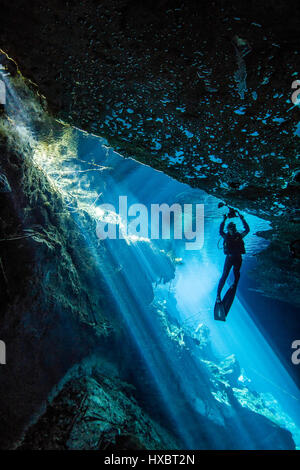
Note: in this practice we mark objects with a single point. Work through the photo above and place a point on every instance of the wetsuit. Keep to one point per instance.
(233, 248)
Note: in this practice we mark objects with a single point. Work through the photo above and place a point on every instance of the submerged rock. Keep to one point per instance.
(62, 294)
(96, 412)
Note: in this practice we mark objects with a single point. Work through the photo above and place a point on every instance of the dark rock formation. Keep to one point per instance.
(95, 412)
(93, 409)
(57, 310)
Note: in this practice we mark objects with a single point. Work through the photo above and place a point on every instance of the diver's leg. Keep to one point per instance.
(226, 270)
(237, 263)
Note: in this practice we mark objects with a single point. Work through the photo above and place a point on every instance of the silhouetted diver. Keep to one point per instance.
(233, 248)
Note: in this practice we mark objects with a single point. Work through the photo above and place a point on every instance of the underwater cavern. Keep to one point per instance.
(109, 338)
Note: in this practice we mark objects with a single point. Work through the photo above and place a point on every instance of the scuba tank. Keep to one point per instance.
(234, 245)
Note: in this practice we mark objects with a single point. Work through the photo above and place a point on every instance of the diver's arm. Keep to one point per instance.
(222, 233)
(246, 226)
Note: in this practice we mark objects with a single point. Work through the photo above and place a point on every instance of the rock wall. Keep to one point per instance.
(51, 313)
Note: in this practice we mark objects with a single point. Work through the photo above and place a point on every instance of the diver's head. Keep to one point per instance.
(231, 228)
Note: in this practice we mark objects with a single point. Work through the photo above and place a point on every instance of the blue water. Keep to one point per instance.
(196, 278)
(193, 289)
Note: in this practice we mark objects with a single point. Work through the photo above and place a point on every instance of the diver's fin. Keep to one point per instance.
(219, 311)
(229, 298)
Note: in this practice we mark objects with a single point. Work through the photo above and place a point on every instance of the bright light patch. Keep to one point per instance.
(194, 282)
